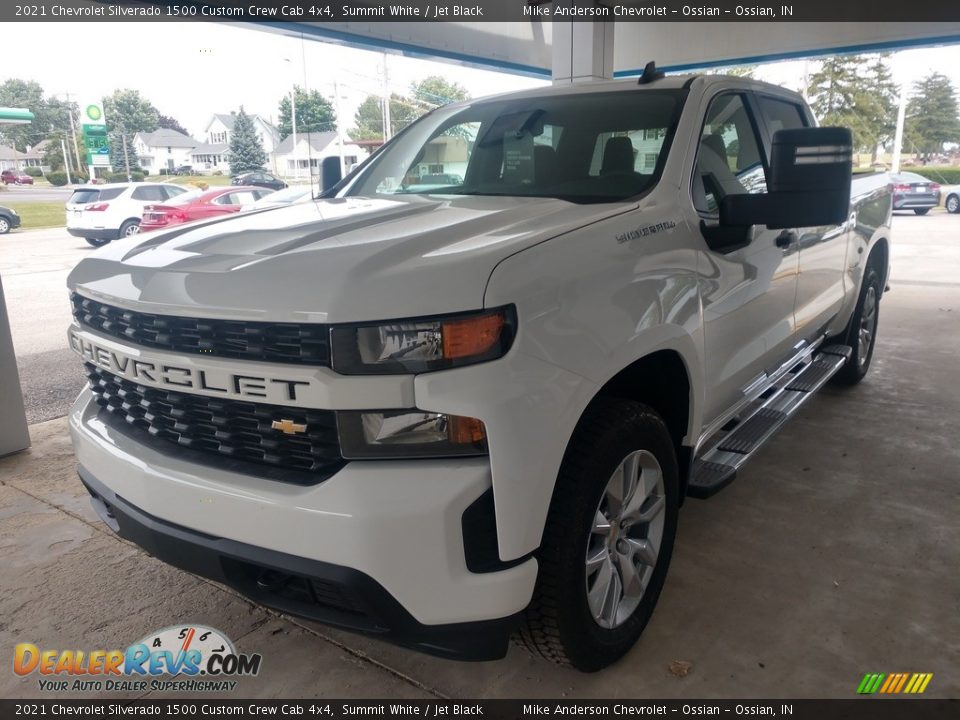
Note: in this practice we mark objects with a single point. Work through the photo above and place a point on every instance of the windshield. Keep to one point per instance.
(585, 147)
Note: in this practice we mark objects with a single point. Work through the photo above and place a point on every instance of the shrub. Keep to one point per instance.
(218, 172)
(59, 179)
(943, 174)
(33, 171)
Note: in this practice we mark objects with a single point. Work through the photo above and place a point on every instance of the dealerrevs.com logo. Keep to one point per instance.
(179, 658)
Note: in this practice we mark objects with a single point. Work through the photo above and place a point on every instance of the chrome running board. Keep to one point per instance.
(741, 437)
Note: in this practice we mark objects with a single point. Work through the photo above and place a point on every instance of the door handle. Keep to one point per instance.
(786, 239)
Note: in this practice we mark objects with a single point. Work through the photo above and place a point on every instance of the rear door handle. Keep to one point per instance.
(786, 239)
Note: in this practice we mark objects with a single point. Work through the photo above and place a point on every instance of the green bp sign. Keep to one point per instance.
(94, 128)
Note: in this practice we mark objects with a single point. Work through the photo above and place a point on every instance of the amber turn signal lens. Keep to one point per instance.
(471, 336)
(465, 430)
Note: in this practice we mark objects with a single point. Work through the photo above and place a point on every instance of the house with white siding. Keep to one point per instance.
(310, 151)
(162, 149)
(211, 155)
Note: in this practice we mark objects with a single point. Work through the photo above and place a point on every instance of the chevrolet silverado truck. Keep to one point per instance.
(455, 412)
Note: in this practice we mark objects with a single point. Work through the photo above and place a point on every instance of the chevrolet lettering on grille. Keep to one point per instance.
(176, 377)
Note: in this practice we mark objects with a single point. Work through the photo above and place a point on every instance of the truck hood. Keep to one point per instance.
(341, 260)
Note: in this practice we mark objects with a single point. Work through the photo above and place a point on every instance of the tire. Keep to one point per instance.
(97, 242)
(4, 225)
(953, 204)
(921, 211)
(855, 369)
(560, 623)
(130, 227)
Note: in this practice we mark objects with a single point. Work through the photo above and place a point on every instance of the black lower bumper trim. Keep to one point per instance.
(331, 594)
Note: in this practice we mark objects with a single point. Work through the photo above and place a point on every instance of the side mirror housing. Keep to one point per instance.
(810, 174)
(330, 172)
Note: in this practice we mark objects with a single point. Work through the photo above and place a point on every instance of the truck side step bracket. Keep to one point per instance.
(749, 435)
(716, 467)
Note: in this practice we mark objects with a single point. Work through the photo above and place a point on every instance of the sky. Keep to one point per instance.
(191, 70)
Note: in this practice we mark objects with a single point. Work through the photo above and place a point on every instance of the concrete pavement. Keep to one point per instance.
(834, 553)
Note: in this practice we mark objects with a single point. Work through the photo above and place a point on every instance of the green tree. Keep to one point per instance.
(856, 91)
(434, 91)
(246, 150)
(932, 115)
(368, 120)
(127, 112)
(314, 113)
(171, 123)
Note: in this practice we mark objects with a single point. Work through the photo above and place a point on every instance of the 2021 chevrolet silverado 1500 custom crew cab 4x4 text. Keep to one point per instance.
(447, 415)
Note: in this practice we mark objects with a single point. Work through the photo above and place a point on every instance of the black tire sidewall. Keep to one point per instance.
(589, 646)
(956, 200)
(96, 242)
(126, 226)
(854, 371)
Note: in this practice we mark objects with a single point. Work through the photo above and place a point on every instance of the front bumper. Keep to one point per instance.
(94, 233)
(378, 548)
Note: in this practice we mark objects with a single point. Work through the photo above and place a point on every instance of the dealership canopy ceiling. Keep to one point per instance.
(560, 49)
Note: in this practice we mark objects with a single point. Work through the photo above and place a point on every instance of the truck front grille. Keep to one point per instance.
(299, 343)
(223, 431)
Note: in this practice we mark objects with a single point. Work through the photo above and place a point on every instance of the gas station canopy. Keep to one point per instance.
(565, 50)
(15, 116)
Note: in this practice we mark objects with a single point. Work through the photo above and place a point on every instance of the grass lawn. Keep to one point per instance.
(41, 215)
(210, 180)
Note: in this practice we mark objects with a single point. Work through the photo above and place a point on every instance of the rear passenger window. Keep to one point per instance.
(148, 193)
(728, 160)
(172, 190)
(781, 114)
(111, 193)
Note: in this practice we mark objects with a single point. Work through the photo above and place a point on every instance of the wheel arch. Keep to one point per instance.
(879, 257)
(660, 380)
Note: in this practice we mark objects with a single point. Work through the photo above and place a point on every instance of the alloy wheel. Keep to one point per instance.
(868, 324)
(625, 539)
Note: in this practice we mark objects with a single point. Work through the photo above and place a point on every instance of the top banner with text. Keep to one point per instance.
(319, 11)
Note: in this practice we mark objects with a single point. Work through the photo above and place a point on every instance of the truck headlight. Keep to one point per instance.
(409, 434)
(422, 345)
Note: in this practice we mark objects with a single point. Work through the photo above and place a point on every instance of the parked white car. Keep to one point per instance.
(101, 213)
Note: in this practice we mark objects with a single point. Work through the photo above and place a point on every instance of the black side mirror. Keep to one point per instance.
(330, 172)
(810, 174)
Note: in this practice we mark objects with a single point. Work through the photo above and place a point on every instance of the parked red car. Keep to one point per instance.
(199, 205)
(17, 177)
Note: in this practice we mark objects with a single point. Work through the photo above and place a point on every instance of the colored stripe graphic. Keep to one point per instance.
(894, 683)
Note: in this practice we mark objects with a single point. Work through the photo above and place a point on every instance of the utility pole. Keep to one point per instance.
(126, 158)
(898, 135)
(66, 161)
(73, 133)
(336, 100)
(293, 123)
(387, 129)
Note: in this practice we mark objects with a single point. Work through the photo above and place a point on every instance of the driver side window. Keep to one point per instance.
(728, 159)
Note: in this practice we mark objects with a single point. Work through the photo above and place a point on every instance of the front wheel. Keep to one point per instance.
(97, 242)
(953, 204)
(921, 211)
(608, 538)
(862, 332)
(4, 226)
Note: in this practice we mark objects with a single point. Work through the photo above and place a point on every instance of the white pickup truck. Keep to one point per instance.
(448, 412)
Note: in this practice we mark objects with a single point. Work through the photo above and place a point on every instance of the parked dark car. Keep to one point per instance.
(8, 219)
(183, 170)
(260, 178)
(17, 177)
(914, 192)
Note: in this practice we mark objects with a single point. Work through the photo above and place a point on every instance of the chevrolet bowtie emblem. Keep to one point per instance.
(288, 427)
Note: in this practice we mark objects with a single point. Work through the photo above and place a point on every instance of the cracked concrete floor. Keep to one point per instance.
(836, 552)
